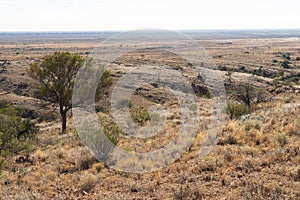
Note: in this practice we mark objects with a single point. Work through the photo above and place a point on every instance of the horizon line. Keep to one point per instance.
(127, 30)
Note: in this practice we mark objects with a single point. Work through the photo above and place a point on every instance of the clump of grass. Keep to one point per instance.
(250, 132)
(252, 124)
(86, 162)
(97, 167)
(207, 164)
(281, 138)
(188, 193)
(88, 182)
(230, 139)
(228, 156)
(294, 128)
(256, 189)
(110, 129)
(140, 116)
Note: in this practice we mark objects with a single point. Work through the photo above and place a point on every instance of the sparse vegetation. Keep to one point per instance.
(188, 193)
(4, 64)
(257, 151)
(259, 190)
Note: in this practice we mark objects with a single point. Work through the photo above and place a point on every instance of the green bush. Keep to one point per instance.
(235, 110)
(285, 64)
(110, 129)
(252, 124)
(140, 116)
(14, 131)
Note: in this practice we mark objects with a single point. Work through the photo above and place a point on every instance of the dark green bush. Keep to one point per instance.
(14, 131)
(285, 64)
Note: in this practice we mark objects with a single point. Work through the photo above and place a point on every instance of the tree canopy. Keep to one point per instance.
(55, 75)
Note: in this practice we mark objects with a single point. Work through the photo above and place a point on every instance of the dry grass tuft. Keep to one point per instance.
(188, 193)
(87, 182)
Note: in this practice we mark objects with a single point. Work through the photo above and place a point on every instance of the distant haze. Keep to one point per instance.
(99, 15)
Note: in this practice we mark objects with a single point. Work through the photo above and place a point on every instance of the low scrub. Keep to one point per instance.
(140, 116)
(15, 132)
(235, 110)
(110, 129)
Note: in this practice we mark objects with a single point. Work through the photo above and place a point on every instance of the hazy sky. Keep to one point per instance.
(88, 15)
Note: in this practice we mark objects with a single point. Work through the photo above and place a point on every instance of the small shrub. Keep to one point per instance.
(236, 110)
(188, 193)
(242, 68)
(252, 124)
(295, 175)
(256, 189)
(110, 129)
(228, 156)
(128, 149)
(230, 140)
(86, 162)
(14, 132)
(281, 138)
(208, 164)
(140, 116)
(285, 64)
(3, 104)
(88, 182)
(286, 56)
(97, 167)
(294, 129)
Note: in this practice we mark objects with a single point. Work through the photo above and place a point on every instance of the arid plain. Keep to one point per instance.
(256, 155)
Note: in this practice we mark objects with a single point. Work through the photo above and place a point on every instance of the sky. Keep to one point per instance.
(101, 15)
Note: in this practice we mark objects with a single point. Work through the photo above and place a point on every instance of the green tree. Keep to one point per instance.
(55, 76)
(245, 93)
(249, 95)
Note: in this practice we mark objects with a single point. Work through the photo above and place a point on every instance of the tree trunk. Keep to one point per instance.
(63, 114)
